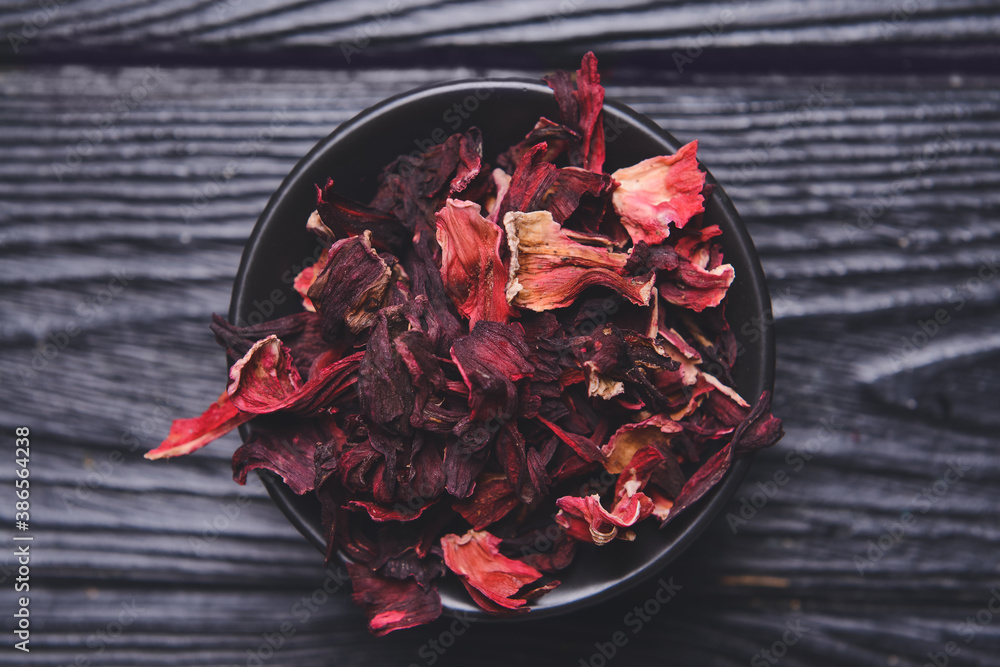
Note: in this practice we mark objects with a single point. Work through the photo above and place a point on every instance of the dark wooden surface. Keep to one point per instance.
(811, 114)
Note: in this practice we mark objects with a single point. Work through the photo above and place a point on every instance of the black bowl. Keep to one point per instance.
(504, 109)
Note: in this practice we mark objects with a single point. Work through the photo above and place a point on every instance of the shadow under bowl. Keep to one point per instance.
(505, 110)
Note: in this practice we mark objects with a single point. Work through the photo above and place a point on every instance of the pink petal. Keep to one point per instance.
(657, 192)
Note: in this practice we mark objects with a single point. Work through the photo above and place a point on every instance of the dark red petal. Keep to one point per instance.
(344, 218)
(473, 274)
(300, 332)
(286, 449)
(414, 186)
(571, 184)
(759, 429)
(351, 288)
(590, 100)
(541, 551)
(391, 604)
(491, 359)
(187, 435)
(476, 558)
(378, 512)
(555, 135)
(581, 109)
(529, 183)
(384, 388)
(589, 449)
(492, 500)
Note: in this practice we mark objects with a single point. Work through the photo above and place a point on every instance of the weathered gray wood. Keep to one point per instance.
(347, 32)
(846, 297)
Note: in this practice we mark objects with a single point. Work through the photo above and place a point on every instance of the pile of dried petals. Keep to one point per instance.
(474, 344)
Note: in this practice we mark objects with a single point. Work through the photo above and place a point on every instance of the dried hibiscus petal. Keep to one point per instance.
(187, 435)
(352, 287)
(658, 192)
(549, 268)
(391, 604)
(473, 274)
(475, 557)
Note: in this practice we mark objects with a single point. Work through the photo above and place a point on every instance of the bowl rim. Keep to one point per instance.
(708, 507)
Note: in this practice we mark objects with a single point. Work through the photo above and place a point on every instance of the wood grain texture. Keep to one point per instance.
(881, 406)
(345, 33)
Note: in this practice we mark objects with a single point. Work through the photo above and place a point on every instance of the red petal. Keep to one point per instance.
(473, 274)
(187, 435)
(759, 429)
(265, 380)
(659, 191)
(351, 288)
(693, 287)
(581, 109)
(391, 604)
(476, 558)
(602, 525)
(549, 269)
(492, 499)
(631, 438)
(491, 358)
(380, 512)
(344, 217)
(264, 376)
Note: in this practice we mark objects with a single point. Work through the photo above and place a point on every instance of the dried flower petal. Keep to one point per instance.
(476, 558)
(391, 604)
(657, 192)
(351, 288)
(473, 274)
(187, 435)
(549, 269)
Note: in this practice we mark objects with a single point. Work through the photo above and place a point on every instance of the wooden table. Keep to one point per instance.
(859, 139)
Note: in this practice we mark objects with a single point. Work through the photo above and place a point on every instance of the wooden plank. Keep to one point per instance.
(113, 527)
(351, 31)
